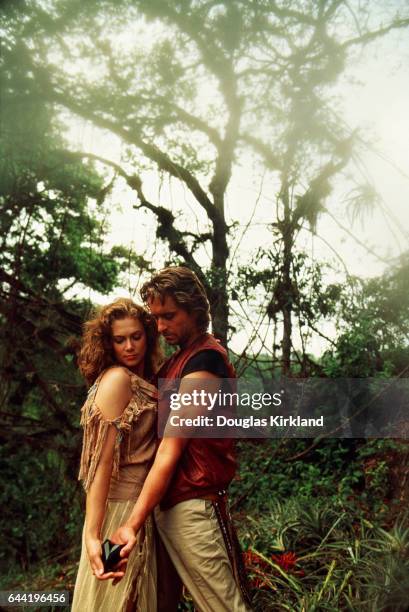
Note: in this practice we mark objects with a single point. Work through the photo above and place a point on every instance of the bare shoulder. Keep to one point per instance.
(114, 392)
(116, 375)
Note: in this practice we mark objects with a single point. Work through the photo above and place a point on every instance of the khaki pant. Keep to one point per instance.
(191, 534)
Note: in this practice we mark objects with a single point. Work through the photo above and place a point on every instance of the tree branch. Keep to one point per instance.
(163, 161)
(272, 161)
(370, 36)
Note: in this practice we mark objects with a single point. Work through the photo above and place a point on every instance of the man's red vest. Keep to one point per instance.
(207, 465)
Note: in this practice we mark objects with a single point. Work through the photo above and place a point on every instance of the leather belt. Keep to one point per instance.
(220, 495)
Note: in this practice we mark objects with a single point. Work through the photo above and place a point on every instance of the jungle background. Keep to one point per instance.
(140, 133)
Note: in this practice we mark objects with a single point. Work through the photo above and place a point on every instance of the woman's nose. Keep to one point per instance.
(128, 344)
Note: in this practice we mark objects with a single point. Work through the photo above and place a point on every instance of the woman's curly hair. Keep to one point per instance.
(96, 353)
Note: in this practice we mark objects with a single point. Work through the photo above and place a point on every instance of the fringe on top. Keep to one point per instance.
(96, 426)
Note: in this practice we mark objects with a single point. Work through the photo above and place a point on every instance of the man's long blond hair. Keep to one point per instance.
(184, 287)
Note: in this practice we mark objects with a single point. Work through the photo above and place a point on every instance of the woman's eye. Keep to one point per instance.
(136, 337)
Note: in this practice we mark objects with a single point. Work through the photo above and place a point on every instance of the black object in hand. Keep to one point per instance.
(110, 554)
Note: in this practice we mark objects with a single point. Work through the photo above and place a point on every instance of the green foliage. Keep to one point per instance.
(52, 230)
(308, 554)
(336, 469)
(373, 326)
(51, 239)
(332, 515)
(312, 299)
(41, 507)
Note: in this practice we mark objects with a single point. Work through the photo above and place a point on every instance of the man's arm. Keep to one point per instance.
(154, 488)
(161, 472)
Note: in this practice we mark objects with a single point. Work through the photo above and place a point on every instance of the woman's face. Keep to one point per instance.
(129, 343)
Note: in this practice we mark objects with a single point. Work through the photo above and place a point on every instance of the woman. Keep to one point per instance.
(119, 355)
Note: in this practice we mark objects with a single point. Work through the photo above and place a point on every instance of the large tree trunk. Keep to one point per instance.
(220, 311)
(219, 298)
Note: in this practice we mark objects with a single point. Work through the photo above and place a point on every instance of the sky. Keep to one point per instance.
(375, 98)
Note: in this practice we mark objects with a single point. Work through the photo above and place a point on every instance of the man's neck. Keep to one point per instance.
(191, 339)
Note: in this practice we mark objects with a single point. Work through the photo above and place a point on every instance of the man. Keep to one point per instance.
(189, 476)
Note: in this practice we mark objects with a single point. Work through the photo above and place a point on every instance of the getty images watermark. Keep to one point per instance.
(197, 399)
(240, 408)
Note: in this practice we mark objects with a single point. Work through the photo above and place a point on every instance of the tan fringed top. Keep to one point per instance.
(135, 443)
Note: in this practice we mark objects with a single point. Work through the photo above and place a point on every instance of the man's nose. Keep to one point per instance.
(161, 326)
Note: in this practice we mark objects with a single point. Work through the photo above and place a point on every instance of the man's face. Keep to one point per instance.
(175, 324)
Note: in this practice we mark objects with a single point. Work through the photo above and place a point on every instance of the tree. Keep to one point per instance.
(52, 225)
(373, 323)
(268, 68)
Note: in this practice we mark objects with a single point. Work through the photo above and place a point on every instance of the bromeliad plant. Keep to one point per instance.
(307, 556)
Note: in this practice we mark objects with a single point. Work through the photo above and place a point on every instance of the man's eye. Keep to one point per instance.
(168, 317)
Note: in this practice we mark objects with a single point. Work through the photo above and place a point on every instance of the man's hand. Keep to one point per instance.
(94, 551)
(124, 535)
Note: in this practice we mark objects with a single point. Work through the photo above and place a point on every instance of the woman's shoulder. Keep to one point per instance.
(120, 376)
(114, 392)
(115, 375)
(122, 385)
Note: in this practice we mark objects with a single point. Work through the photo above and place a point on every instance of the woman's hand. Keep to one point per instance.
(94, 552)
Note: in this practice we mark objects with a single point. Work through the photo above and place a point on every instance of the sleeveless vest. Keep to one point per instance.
(207, 465)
